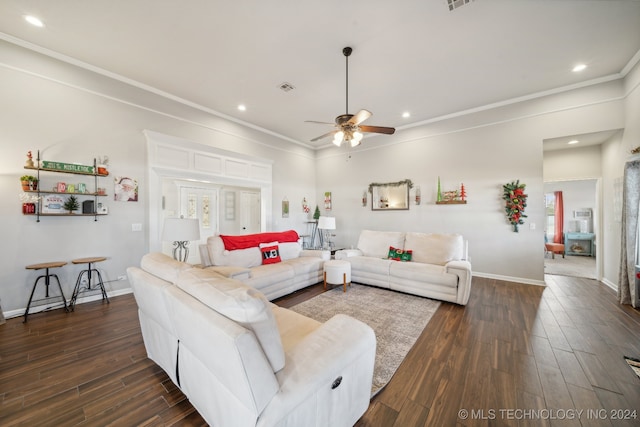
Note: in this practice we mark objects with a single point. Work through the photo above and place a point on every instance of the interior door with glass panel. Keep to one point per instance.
(201, 203)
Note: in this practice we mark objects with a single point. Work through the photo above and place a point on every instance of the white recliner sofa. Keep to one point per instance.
(241, 257)
(439, 267)
(243, 361)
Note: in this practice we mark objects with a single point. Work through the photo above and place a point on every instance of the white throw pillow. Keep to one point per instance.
(436, 249)
(240, 303)
(290, 250)
(376, 243)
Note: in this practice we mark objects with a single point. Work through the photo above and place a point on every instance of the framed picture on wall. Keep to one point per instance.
(327, 200)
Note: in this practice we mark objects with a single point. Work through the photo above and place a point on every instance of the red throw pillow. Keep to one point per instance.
(270, 255)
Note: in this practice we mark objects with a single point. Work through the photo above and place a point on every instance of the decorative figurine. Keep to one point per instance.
(29, 163)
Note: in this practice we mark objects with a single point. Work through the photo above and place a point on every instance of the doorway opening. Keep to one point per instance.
(576, 223)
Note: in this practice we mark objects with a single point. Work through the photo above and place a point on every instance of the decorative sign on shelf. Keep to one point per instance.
(66, 167)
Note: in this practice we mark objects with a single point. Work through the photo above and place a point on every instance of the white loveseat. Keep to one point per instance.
(438, 269)
(240, 257)
(243, 361)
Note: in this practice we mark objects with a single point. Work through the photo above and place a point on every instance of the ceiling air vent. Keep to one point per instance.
(286, 86)
(454, 4)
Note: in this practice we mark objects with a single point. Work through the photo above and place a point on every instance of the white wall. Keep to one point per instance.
(573, 164)
(576, 194)
(72, 115)
(484, 150)
(615, 152)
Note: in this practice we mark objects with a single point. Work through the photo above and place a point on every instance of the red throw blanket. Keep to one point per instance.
(253, 240)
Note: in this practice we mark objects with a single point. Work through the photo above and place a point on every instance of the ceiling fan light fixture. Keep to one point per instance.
(357, 137)
(338, 138)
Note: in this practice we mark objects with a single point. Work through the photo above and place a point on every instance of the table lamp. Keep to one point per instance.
(326, 223)
(181, 231)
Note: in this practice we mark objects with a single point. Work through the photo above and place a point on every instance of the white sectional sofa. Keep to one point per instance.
(438, 269)
(243, 361)
(241, 258)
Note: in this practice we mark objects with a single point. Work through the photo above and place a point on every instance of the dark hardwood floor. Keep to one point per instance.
(516, 355)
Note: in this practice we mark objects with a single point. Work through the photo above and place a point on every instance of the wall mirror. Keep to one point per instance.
(390, 196)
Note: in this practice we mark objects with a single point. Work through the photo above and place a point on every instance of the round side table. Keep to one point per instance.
(337, 272)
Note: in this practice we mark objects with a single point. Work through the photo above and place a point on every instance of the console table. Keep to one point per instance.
(579, 244)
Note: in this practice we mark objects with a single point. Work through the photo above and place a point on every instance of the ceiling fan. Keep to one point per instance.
(347, 126)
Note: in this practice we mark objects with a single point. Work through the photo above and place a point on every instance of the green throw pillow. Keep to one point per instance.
(400, 254)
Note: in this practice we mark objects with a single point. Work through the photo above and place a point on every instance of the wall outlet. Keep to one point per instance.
(136, 227)
(532, 226)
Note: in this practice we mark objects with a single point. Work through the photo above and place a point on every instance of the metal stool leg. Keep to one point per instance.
(76, 289)
(47, 282)
(101, 283)
(26, 312)
(64, 300)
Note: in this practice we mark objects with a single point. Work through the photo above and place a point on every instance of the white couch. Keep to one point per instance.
(243, 361)
(298, 269)
(439, 268)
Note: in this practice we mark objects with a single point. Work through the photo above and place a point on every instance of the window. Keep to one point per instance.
(549, 210)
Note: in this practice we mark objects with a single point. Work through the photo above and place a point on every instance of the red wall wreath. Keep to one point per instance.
(515, 202)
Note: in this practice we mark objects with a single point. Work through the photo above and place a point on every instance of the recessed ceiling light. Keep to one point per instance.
(573, 141)
(242, 107)
(578, 68)
(34, 21)
(406, 114)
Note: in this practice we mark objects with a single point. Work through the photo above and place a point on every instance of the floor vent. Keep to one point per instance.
(286, 86)
(454, 4)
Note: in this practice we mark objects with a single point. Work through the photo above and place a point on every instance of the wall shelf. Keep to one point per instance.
(65, 168)
(451, 202)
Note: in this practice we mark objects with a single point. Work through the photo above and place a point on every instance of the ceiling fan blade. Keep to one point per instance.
(324, 136)
(321, 123)
(359, 117)
(377, 129)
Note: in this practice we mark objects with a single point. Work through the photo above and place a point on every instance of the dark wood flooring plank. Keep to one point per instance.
(513, 346)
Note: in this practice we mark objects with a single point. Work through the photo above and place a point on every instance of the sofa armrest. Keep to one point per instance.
(205, 258)
(463, 270)
(319, 253)
(342, 347)
(346, 253)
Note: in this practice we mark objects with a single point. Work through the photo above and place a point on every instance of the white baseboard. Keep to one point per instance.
(610, 284)
(81, 300)
(510, 279)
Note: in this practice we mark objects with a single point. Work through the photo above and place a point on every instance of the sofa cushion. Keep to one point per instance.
(290, 250)
(376, 243)
(250, 257)
(240, 303)
(436, 249)
(163, 266)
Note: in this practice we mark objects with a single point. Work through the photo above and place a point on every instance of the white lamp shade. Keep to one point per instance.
(181, 229)
(327, 223)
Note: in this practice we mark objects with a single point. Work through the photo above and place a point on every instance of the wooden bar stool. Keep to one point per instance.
(46, 276)
(88, 271)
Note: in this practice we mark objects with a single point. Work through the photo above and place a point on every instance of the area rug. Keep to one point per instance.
(575, 266)
(634, 364)
(397, 319)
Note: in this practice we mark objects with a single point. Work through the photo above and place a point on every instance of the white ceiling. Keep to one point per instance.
(408, 55)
